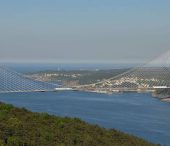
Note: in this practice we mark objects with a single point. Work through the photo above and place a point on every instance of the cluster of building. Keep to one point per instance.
(127, 82)
(49, 76)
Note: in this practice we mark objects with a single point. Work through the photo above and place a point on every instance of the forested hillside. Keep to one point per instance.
(20, 127)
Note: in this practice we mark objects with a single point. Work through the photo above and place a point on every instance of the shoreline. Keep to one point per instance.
(166, 99)
(67, 125)
(160, 97)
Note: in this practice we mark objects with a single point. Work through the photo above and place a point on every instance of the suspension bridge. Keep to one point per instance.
(12, 81)
(154, 74)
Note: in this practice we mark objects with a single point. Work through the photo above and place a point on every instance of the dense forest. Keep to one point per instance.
(20, 127)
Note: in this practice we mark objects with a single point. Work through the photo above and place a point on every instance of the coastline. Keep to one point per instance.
(64, 128)
(166, 99)
(158, 96)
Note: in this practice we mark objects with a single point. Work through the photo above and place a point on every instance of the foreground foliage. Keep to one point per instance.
(19, 127)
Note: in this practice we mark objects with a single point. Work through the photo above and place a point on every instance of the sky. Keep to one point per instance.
(83, 30)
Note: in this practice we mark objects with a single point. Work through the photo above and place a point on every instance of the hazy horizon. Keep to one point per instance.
(83, 31)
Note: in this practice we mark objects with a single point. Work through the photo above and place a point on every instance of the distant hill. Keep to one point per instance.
(81, 77)
(20, 127)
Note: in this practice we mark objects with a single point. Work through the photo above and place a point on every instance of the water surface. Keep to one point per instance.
(135, 113)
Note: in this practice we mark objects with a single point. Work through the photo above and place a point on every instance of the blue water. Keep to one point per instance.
(135, 113)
